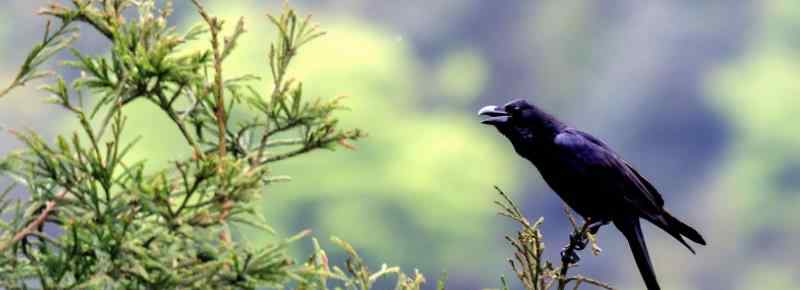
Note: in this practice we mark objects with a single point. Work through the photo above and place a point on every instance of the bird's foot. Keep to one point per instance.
(569, 256)
(578, 242)
(595, 226)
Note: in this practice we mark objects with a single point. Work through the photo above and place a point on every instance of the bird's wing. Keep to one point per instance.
(656, 196)
(609, 167)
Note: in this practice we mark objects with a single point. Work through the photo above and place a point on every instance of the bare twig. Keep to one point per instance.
(578, 279)
(36, 223)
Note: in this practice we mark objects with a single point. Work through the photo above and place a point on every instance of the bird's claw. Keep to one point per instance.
(569, 257)
(594, 227)
(579, 242)
(576, 243)
(579, 246)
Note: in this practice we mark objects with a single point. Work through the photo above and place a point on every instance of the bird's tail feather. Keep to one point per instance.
(677, 229)
(633, 233)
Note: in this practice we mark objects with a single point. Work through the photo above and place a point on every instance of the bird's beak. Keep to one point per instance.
(496, 115)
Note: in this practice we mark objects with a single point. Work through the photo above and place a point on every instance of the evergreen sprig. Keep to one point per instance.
(118, 224)
(533, 271)
(121, 225)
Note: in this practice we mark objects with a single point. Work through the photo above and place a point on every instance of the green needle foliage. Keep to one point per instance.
(121, 225)
(115, 223)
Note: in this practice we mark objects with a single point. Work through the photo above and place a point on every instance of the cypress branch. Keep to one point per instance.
(123, 225)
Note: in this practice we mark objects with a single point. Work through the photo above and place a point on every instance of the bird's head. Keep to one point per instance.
(518, 118)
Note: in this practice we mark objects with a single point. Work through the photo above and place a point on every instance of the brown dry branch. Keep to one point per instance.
(34, 225)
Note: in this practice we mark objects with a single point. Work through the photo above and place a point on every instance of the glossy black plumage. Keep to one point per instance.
(590, 177)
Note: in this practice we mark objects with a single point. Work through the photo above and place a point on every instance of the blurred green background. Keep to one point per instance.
(702, 96)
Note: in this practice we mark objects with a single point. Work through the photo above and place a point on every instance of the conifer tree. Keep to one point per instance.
(120, 224)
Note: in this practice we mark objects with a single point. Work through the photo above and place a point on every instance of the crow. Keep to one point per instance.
(590, 177)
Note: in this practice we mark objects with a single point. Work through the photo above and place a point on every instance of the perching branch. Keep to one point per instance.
(533, 272)
(569, 257)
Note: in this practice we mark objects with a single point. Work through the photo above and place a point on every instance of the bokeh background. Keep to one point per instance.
(702, 96)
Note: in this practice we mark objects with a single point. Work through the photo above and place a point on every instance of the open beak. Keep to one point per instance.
(496, 115)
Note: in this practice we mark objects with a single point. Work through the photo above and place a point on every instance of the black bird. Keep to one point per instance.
(590, 177)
